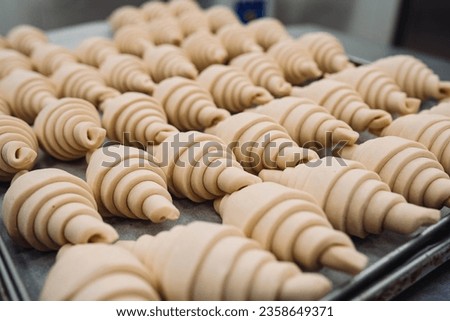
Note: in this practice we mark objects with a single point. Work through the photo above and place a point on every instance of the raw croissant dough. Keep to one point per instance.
(49, 57)
(259, 142)
(18, 147)
(155, 10)
(178, 7)
(268, 31)
(127, 182)
(264, 71)
(354, 199)
(27, 93)
(11, 60)
(308, 123)
(442, 108)
(297, 64)
(238, 40)
(69, 128)
(344, 103)
(220, 16)
(327, 51)
(192, 21)
(125, 15)
(414, 77)
(188, 106)
(407, 167)
(232, 89)
(199, 167)
(126, 73)
(165, 31)
(25, 38)
(206, 261)
(94, 50)
(290, 224)
(378, 90)
(204, 49)
(3, 43)
(4, 107)
(133, 39)
(107, 273)
(47, 208)
(135, 119)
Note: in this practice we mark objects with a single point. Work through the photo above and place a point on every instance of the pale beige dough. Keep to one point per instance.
(204, 49)
(378, 89)
(259, 142)
(127, 73)
(296, 63)
(354, 199)
(220, 16)
(290, 224)
(155, 10)
(47, 208)
(188, 106)
(133, 39)
(11, 60)
(99, 272)
(414, 77)
(165, 31)
(27, 93)
(125, 15)
(82, 81)
(69, 128)
(268, 31)
(433, 131)
(407, 167)
(192, 21)
(3, 42)
(18, 147)
(308, 123)
(94, 50)
(443, 108)
(24, 38)
(199, 167)
(232, 89)
(135, 119)
(238, 40)
(127, 182)
(327, 51)
(207, 261)
(167, 61)
(49, 57)
(178, 7)
(344, 103)
(4, 107)
(264, 71)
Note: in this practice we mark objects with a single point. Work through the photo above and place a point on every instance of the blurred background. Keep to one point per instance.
(413, 24)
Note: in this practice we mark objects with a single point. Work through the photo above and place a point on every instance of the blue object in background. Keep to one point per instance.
(248, 10)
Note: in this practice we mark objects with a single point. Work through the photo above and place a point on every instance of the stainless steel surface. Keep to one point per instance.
(387, 252)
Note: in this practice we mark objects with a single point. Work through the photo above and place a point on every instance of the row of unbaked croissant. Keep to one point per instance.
(294, 222)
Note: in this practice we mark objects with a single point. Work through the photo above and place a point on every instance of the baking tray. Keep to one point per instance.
(395, 261)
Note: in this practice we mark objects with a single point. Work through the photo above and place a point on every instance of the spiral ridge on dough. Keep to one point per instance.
(166, 61)
(204, 49)
(414, 77)
(297, 64)
(108, 273)
(11, 60)
(126, 73)
(94, 50)
(237, 40)
(125, 15)
(27, 92)
(135, 119)
(378, 90)
(231, 89)
(268, 31)
(442, 108)
(4, 107)
(82, 81)
(24, 38)
(327, 51)
(433, 131)
(264, 71)
(206, 261)
(290, 224)
(165, 31)
(308, 123)
(407, 167)
(133, 39)
(18, 147)
(49, 57)
(259, 142)
(48, 208)
(154, 10)
(127, 182)
(220, 16)
(200, 167)
(188, 106)
(344, 103)
(193, 21)
(69, 128)
(354, 199)
(178, 7)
